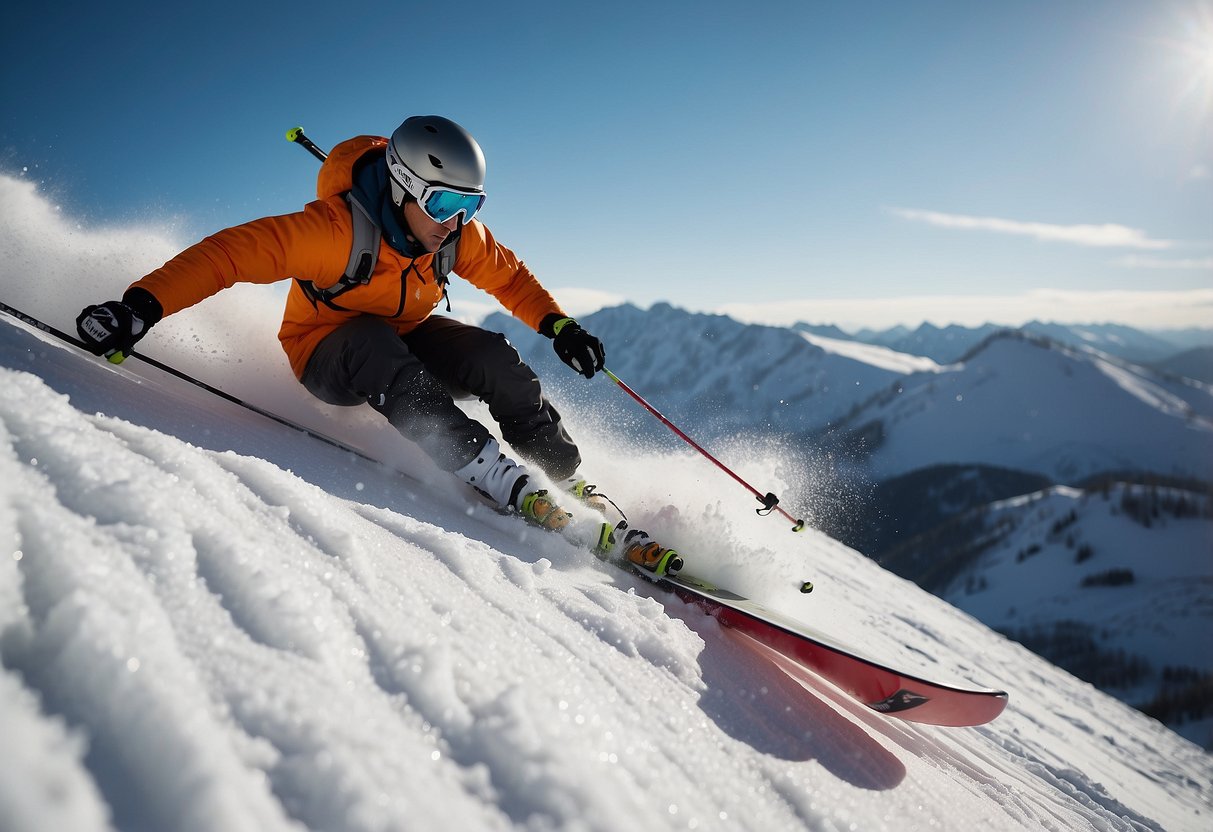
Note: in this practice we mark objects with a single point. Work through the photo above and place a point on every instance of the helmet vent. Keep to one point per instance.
(431, 128)
(435, 161)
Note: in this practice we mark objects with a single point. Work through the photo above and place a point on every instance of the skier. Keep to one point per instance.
(370, 261)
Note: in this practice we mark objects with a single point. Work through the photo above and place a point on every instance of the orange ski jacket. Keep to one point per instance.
(313, 245)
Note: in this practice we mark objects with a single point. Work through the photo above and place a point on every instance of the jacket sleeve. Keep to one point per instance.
(313, 244)
(487, 264)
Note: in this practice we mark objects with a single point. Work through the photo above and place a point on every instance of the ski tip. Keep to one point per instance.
(293, 134)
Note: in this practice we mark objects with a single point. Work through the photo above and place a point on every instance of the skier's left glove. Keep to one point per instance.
(575, 347)
(113, 328)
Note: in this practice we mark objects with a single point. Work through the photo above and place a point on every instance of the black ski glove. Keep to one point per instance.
(114, 327)
(576, 347)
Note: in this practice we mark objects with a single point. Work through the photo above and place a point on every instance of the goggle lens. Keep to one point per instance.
(441, 205)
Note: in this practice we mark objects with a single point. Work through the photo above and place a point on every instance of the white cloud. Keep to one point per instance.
(1143, 309)
(1133, 261)
(1199, 172)
(581, 301)
(1105, 235)
(474, 307)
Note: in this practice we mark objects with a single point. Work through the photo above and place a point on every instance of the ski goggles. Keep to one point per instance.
(439, 202)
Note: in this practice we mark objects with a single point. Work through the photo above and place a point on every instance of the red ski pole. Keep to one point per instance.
(769, 501)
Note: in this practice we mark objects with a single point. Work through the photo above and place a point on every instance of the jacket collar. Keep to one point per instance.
(370, 188)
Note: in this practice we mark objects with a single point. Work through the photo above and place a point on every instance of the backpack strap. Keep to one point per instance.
(364, 254)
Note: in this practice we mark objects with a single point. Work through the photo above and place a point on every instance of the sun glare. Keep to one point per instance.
(1202, 51)
(1193, 51)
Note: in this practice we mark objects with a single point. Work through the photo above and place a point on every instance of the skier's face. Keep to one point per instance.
(430, 234)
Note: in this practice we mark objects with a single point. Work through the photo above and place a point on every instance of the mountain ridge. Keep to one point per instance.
(719, 378)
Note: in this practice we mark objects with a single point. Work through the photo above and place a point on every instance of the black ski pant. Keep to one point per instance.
(413, 380)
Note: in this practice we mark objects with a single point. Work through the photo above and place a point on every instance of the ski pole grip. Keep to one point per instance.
(768, 504)
(771, 503)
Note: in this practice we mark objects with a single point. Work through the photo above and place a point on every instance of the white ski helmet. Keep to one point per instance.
(437, 163)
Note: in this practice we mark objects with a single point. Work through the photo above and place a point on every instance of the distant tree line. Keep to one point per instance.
(1063, 523)
(1149, 504)
(1148, 498)
(1110, 577)
(1186, 695)
(932, 524)
(1071, 645)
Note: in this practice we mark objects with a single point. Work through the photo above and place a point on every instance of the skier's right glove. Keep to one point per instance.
(113, 328)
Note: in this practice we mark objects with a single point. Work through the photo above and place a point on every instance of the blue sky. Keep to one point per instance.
(863, 163)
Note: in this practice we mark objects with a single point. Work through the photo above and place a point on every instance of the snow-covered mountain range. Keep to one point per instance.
(1015, 400)
(1033, 405)
(949, 343)
(721, 376)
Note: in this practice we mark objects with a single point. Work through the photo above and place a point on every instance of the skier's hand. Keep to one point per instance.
(576, 347)
(113, 328)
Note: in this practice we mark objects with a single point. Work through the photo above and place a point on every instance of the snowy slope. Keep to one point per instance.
(877, 356)
(943, 344)
(210, 621)
(1115, 339)
(1039, 407)
(1196, 363)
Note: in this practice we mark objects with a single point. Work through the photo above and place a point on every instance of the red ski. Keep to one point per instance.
(881, 688)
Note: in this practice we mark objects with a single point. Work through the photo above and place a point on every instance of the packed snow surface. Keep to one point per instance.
(210, 621)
